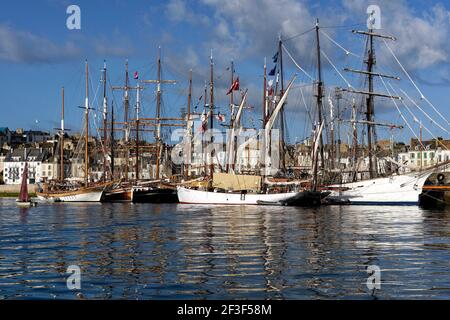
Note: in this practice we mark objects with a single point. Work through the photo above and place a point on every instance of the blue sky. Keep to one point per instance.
(39, 55)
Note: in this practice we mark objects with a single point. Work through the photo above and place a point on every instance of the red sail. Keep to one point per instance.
(24, 187)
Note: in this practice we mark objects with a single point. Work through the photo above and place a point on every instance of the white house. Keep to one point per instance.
(14, 165)
(417, 158)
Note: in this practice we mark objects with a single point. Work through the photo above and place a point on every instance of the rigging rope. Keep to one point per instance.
(340, 74)
(412, 81)
(426, 114)
(296, 64)
(347, 52)
(400, 112)
(415, 119)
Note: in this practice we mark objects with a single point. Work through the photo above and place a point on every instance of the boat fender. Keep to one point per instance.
(441, 177)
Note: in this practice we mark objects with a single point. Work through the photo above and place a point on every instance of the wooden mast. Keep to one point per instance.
(158, 119)
(188, 129)
(355, 142)
(231, 110)
(138, 105)
(125, 119)
(338, 106)
(319, 107)
(105, 124)
(211, 111)
(158, 114)
(332, 149)
(264, 114)
(112, 140)
(126, 102)
(280, 56)
(61, 158)
(86, 151)
(205, 100)
(371, 62)
(369, 115)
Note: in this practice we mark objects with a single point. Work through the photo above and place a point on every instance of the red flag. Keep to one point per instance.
(204, 124)
(234, 86)
(136, 75)
(220, 117)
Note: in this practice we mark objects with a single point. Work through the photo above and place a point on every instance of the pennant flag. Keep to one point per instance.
(272, 72)
(275, 57)
(204, 119)
(234, 86)
(270, 87)
(136, 75)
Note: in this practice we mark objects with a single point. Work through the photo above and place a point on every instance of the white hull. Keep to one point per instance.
(394, 190)
(93, 196)
(221, 198)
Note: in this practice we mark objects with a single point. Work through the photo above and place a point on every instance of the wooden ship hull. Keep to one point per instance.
(154, 195)
(94, 194)
(123, 194)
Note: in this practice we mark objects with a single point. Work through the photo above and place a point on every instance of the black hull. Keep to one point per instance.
(155, 196)
(307, 199)
(430, 199)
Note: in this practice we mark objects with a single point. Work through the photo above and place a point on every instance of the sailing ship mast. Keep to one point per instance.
(282, 149)
(232, 117)
(211, 111)
(369, 72)
(159, 81)
(61, 147)
(264, 111)
(105, 124)
(188, 128)
(126, 103)
(319, 109)
(138, 106)
(112, 141)
(205, 104)
(86, 137)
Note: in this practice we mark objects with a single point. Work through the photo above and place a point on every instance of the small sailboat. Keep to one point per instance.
(24, 200)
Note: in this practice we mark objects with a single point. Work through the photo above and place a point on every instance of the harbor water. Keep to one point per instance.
(174, 251)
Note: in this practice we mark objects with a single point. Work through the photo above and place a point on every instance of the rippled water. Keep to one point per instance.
(195, 252)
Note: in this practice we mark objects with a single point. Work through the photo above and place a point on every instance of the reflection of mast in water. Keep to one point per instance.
(275, 251)
(106, 252)
(196, 238)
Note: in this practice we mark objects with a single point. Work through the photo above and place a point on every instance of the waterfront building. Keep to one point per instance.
(14, 165)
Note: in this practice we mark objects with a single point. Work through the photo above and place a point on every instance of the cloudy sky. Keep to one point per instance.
(39, 55)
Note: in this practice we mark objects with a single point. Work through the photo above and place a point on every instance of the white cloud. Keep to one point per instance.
(422, 37)
(178, 11)
(25, 47)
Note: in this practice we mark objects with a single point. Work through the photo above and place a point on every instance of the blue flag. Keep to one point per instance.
(272, 72)
(275, 57)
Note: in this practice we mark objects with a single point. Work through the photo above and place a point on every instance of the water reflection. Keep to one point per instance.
(199, 252)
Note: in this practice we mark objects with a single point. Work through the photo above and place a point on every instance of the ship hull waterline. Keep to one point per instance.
(154, 195)
(76, 196)
(191, 196)
(393, 190)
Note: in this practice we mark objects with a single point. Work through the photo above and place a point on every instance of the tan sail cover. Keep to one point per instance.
(236, 182)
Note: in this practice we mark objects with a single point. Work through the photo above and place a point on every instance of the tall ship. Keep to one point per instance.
(379, 183)
(64, 190)
(225, 185)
